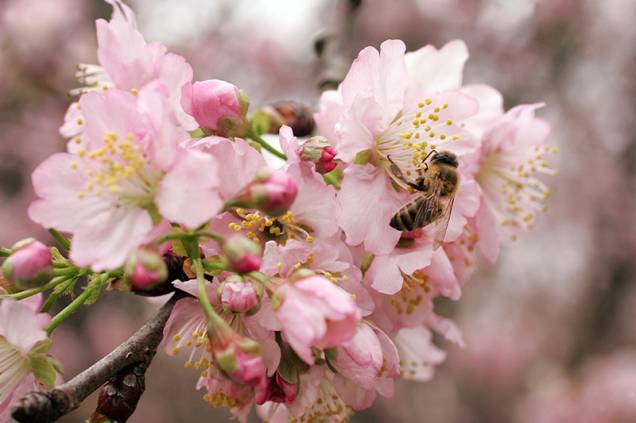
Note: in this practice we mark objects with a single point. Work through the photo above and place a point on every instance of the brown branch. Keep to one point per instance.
(43, 407)
(333, 47)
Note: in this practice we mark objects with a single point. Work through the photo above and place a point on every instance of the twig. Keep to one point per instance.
(44, 407)
(333, 48)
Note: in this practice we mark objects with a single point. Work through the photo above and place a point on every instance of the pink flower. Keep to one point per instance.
(217, 106)
(129, 63)
(362, 358)
(29, 265)
(418, 354)
(366, 362)
(25, 365)
(330, 257)
(313, 312)
(108, 194)
(512, 154)
(413, 305)
(389, 113)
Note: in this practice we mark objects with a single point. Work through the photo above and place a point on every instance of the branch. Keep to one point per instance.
(333, 48)
(42, 407)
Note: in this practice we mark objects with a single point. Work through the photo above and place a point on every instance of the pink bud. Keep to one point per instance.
(237, 357)
(146, 270)
(240, 296)
(318, 150)
(29, 265)
(217, 106)
(243, 254)
(274, 191)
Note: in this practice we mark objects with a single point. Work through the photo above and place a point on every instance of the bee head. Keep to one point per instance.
(445, 157)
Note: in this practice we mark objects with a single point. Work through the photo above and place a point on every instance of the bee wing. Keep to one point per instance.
(428, 205)
(441, 207)
(441, 224)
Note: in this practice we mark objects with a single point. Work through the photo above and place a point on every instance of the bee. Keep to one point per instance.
(437, 184)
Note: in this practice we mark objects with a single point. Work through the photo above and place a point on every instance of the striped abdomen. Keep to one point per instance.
(417, 214)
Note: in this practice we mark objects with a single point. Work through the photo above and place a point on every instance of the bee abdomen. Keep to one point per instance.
(408, 218)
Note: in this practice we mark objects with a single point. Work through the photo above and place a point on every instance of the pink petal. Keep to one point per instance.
(189, 192)
(368, 202)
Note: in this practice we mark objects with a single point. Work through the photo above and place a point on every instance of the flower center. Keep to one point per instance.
(254, 222)
(411, 136)
(118, 171)
(414, 289)
(511, 180)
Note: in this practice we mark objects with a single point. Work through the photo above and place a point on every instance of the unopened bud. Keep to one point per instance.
(237, 357)
(243, 254)
(217, 106)
(239, 295)
(318, 150)
(274, 191)
(30, 264)
(146, 270)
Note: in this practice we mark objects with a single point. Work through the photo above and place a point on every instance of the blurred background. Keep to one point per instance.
(550, 329)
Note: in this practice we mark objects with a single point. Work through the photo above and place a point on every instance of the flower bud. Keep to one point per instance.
(30, 264)
(240, 296)
(273, 191)
(243, 254)
(146, 270)
(218, 106)
(318, 150)
(238, 358)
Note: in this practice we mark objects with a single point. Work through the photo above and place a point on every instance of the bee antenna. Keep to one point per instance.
(429, 154)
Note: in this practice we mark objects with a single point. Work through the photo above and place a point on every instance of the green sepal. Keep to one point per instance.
(226, 360)
(178, 248)
(405, 243)
(331, 353)
(260, 123)
(43, 369)
(197, 133)
(363, 157)
(288, 371)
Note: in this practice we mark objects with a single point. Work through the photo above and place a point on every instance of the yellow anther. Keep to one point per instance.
(449, 122)
(428, 101)
(134, 90)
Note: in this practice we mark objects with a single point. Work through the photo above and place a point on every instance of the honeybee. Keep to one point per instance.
(437, 182)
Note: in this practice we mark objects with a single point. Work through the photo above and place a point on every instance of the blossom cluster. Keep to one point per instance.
(309, 274)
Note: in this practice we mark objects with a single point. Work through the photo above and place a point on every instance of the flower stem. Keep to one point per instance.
(55, 295)
(76, 303)
(31, 292)
(5, 252)
(266, 146)
(203, 295)
(65, 243)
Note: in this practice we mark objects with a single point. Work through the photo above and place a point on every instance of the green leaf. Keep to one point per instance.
(178, 248)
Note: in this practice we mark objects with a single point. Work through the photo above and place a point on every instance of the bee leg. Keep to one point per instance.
(395, 170)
